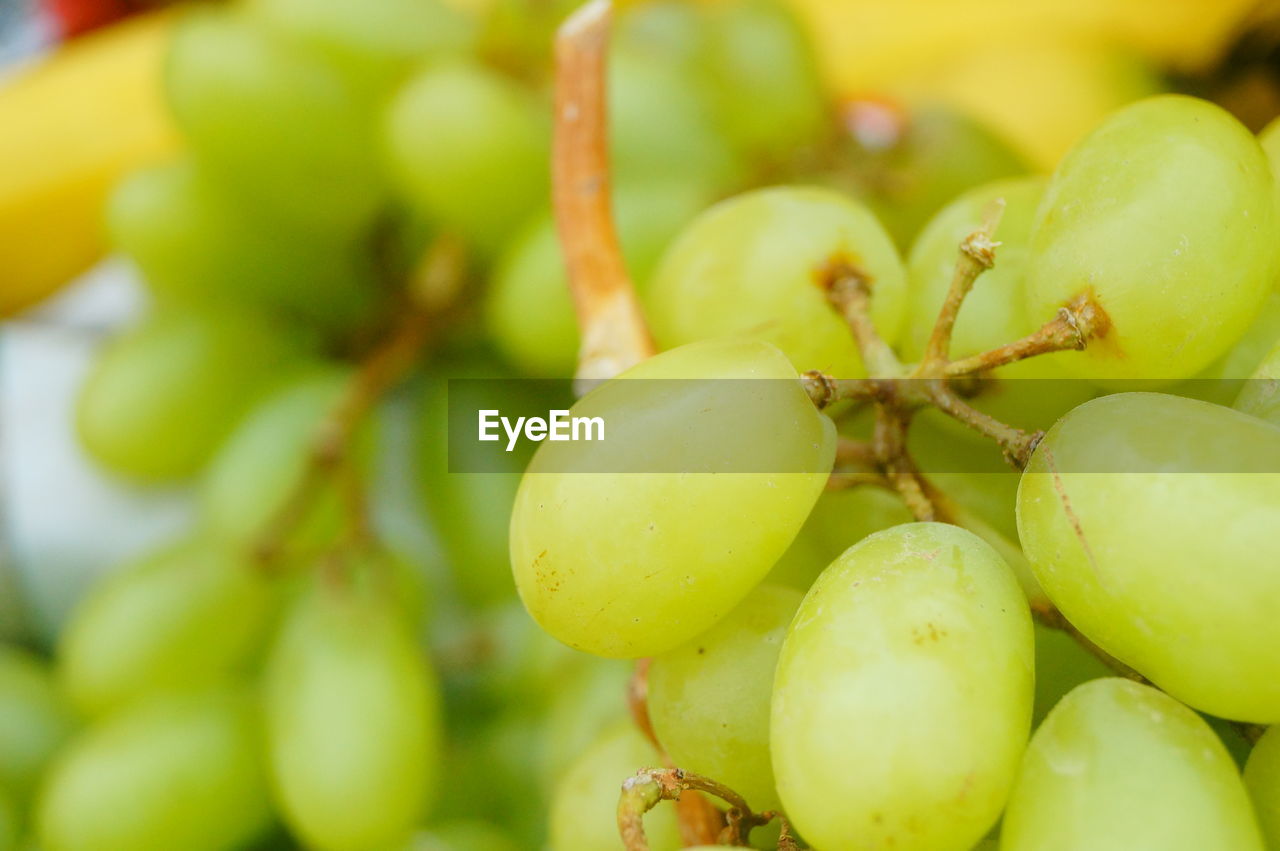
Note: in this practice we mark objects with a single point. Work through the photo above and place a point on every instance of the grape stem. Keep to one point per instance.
(431, 290)
(614, 333)
(651, 786)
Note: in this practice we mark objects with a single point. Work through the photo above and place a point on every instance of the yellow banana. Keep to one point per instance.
(70, 126)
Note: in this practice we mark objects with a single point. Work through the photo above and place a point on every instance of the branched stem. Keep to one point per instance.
(849, 291)
(651, 786)
(1016, 444)
(977, 254)
(614, 333)
(1069, 330)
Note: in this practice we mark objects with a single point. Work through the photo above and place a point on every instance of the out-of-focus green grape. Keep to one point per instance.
(275, 120)
(907, 166)
(839, 520)
(1144, 523)
(1118, 766)
(911, 659)
(580, 710)
(662, 128)
(164, 395)
(1269, 139)
(375, 44)
(650, 552)
(1026, 393)
(189, 615)
(768, 92)
(1260, 395)
(518, 35)
(468, 149)
(1164, 217)
(1262, 779)
(196, 245)
(752, 265)
(461, 836)
(709, 698)
(174, 771)
(352, 714)
(255, 474)
(34, 722)
(584, 810)
(529, 312)
(1061, 665)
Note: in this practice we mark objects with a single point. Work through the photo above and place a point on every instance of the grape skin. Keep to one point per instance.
(903, 693)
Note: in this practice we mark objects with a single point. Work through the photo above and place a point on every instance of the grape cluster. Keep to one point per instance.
(837, 618)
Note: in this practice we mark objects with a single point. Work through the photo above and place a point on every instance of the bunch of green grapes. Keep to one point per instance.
(905, 700)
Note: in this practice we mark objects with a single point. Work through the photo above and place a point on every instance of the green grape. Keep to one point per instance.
(518, 34)
(164, 395)
(668, 31)
(253, 477)
(275, 121)
(768, 91)
(1262, 779)
(661, 126)
(351, 714)
(376, 44)
(34, 722)
(585, 804)
(709, 698)
(461, 836)
(633, 561)
(1024, 394)
(750, 265)
(1143, 521)
(529, 312)
(188, 615)
(1260, 395)
(1061, 665)
(593, 698)
(911, 661)
(1118, 766)
(517, 659)
(468, 150)
(174, 771)
(931, 155)
(196, 245)
(1164, 217)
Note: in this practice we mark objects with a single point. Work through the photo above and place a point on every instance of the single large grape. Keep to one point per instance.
(276, 121)
(254, 478)
(709, 698)
(1118, 766)
(753, 265)
(585, 806)
(713, 457)
(529, 312)
(1262, 779)
(468, 149)
(903, 694)
(1164, 217)
(189, 615)
(35, 720)
(196, 244)
(1149, 520)
(174, 771)
(164, 395)
(1032, 393)
(351, 713)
